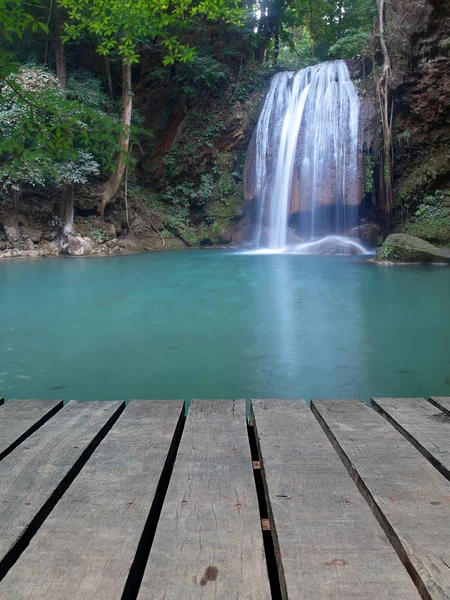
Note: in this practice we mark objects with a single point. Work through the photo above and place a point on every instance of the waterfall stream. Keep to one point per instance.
(306, 168)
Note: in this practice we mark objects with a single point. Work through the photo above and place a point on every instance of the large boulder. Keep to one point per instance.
(79, 246)
(32, 233)
(12, 231)
(28, 244)
(129, 243)
(404, 248)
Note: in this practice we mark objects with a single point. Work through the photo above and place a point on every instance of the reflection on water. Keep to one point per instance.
(222, 325)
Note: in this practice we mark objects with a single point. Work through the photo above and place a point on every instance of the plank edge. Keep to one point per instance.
(368, 497)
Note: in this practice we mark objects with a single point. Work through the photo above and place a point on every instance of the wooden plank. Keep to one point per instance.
(408, 495)
(441, 402)
(36, 473)
(424, 425)
(87, 545)
(20, 418)
(328, 544)
(209, 542)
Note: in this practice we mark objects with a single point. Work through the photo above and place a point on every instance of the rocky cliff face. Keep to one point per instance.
(422, 125)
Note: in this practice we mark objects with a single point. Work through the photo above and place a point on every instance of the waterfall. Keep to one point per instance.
(306, 157)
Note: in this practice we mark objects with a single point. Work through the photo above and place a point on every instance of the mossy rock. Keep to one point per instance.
(404, 248)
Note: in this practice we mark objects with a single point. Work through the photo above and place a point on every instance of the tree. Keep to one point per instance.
(15, 19)
(119, 26)
(48, 139)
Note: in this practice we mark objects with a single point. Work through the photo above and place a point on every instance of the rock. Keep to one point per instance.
(404, 248)
(331, 245)
(16, 253)
(79, 246)
(49, 236)
(138, 225)
(12, 232)
(28, 244)
(33, 233)
(23, 220)
(129, 243)
(110, 231)
(368, 233)
(112, 243)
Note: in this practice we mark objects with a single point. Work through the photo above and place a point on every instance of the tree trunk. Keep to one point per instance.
(112, 186)
(61, 69)
(276, 43)
(66, 211)
(312, 28)
(383, 98)
(109, 84)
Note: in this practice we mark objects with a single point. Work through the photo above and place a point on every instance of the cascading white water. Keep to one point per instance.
(306, 159)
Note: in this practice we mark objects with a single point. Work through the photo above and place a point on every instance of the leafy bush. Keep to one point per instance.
(351, 45)
(46, 139)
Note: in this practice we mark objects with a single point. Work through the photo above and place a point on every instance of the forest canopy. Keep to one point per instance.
(68, 67)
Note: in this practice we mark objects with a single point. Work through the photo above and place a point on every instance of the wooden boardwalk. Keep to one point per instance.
(338, 500)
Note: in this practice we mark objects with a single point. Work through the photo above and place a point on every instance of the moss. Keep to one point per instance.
(405, 248)
(432, 164)
(431, 220)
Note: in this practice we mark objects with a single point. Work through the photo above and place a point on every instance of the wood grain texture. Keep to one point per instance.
(441, 402)
(423, 424)
(87, 545)
(20, 418)
(31, 475)
(209, 543)
(408, 495)
(329, 545)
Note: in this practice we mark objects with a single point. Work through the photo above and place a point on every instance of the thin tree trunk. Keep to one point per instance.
(276, 43)
(112, 186)
(383, 98)
(109, 84)
(61, 69)
(47, 38)
(312, 27)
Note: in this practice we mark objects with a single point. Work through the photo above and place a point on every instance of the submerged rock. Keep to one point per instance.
(404, 248)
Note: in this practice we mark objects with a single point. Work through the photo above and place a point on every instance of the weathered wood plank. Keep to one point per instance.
(209, 543)
(407, 494)
(441, 402)
(86, 547)
(424, 425)
(20, 418)
(33, 476)
(328, 544)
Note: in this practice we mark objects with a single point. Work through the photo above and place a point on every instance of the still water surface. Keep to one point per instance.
(218, 324)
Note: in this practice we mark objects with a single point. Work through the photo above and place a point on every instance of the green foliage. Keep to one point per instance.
(368, 172)
(200, 72)
(84, 88)
(317, 30)
(352, 45)
(15, 20)
(431, 218)
(46, 139)
(119, 25)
